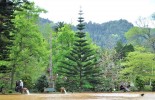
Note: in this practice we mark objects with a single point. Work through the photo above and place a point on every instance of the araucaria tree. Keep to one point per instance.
(6, 27)
(80, 66)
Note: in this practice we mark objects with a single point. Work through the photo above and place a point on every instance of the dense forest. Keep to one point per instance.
(104, 35)
(87, 57)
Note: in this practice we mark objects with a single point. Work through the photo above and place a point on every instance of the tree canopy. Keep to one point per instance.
(80, 64)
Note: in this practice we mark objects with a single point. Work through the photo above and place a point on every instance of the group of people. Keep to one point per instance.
(19, 86)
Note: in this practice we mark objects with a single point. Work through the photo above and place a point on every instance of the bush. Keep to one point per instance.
(133, 88)
(153, 85)
(27, 80)
(2, 85)
(41, 83)
(139, 83)
(87, 86)
(10, 91)
(147, 88)
(59, 83)
(107, 85)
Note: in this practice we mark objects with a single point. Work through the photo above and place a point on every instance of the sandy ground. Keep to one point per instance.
(81, 96)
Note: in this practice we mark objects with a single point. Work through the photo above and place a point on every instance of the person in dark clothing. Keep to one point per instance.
(121, 87)
(17, 88)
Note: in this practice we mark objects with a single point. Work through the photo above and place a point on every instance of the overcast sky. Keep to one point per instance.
(98, 11)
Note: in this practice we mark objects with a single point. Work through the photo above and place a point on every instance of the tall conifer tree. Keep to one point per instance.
(6, 27)
(80, 65)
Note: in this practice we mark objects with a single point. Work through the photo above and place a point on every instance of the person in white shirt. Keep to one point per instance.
(21, 86)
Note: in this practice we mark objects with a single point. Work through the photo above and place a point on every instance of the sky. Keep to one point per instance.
(98, 11)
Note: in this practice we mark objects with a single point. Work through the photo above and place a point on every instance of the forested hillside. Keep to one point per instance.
(89, 57)
(106, 34)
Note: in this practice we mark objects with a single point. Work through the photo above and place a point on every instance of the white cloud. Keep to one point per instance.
(96, 10)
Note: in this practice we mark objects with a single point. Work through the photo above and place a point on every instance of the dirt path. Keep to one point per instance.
(81, 96)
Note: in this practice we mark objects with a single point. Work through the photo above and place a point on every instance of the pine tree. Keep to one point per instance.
(6, 27)
(7, 33)
(80, 65)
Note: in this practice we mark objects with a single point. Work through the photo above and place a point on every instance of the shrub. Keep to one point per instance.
(87, 86)
(153, 85)
(107, 85)
(147, 88)
(59, 83)
(2, 85)
(27, 80)
(10, 91)
(139, 83)
(133, 88)
(41, 83)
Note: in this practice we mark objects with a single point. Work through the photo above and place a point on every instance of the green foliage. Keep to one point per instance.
(153, 85)
(41, 83)
(4, 69)
(106, 84)
(30, 51)
(87, 86)
(132, 32)
(58, 26)
(27, 81)
(79, 66)
(142, 36)
(65, 36)
(25, 48)
(147, 88)
(139, 82)
(10, 91)
(122, 51)
(2, 85)
(138, 63)
(22, 46)
(60, 82)
(133, 88)
(62, 42)
(104, 35)
(46, 30)
(6, 28)
(107, 34)
(111, 68)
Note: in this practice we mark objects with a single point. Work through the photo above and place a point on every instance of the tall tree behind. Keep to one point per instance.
(79, 66)
(7, 33)
(30, 51)
(6, 27)
(123, 50)
(142, 35)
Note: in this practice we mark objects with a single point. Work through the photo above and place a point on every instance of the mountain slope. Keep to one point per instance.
(106, 34)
